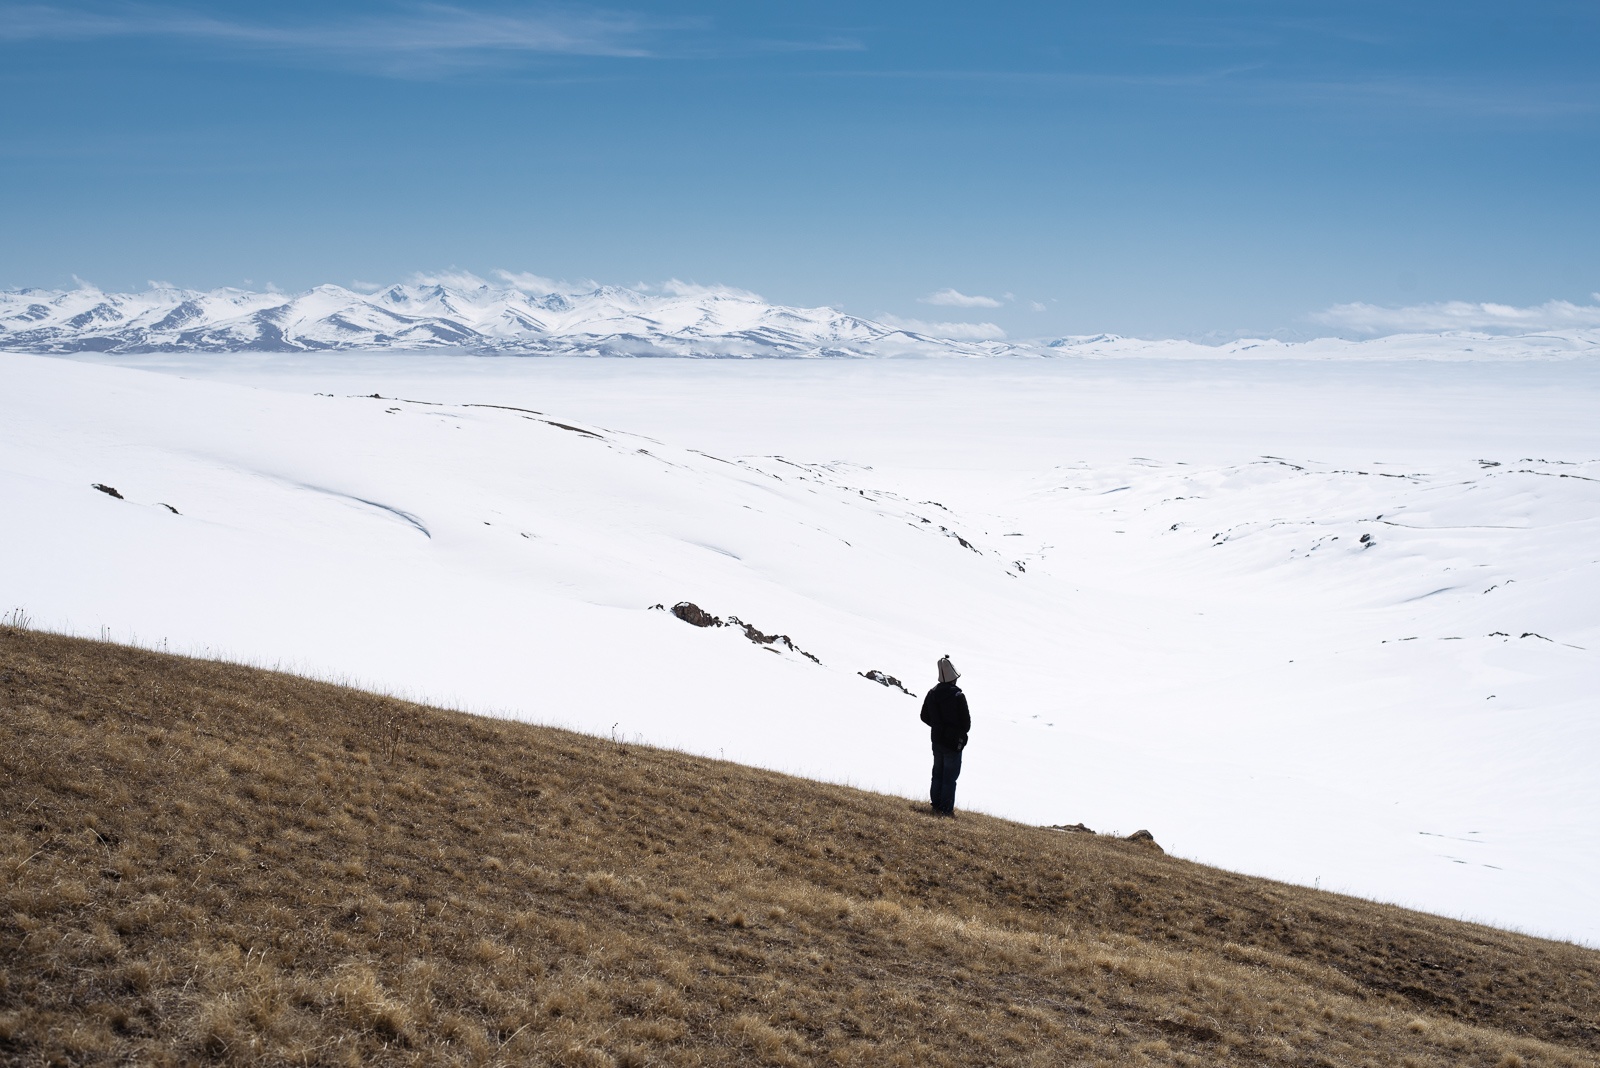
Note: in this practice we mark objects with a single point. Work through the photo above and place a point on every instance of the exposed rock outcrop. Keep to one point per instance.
(1146, 839)
(885, 680)
(696, 616)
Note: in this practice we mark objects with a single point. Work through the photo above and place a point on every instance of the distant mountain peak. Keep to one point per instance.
(525, 315)
(465, 314)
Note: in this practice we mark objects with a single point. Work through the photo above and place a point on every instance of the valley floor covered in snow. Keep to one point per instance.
(1333, 623)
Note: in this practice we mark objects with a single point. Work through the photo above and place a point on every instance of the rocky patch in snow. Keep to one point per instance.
(696, 616)
(885, 680)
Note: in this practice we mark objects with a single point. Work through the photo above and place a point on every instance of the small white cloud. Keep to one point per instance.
(539, 285)
(153, 283)
(674, 288)
(1462, 315)
(448, 279)
(366, 287)
(950, 298)
(950, 331)
(1034, 305)
(528, 283)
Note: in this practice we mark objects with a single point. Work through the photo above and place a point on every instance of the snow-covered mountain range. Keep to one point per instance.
(535, 317)
(470, 316)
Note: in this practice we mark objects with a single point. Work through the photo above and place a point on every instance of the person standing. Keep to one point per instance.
(944, 710)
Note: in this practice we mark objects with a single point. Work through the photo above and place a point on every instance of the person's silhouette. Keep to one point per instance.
(944, 710)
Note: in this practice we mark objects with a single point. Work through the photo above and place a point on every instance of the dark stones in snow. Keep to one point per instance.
(574, 429)
(111, 491)
(965, 544)
(696, 616)
(885, 680)
(769, 639)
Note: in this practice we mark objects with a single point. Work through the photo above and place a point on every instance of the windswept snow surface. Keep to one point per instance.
(1337, 624)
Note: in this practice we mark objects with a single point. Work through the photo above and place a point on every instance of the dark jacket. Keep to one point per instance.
(945, 710)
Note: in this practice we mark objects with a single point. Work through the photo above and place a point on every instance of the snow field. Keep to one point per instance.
(1165, 611)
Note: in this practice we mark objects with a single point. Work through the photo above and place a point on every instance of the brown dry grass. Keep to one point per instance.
(205, 862)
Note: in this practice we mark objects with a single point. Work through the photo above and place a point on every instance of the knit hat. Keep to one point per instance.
(947, 670)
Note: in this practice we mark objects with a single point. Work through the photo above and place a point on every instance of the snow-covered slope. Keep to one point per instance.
(469, 315)
(1368, 659)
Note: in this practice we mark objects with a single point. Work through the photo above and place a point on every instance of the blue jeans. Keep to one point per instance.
(946, 769)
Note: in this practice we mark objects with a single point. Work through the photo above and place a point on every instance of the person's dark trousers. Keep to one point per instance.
(946, 769)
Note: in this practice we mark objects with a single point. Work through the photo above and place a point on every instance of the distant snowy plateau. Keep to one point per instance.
(1331, 621)
(480, 318)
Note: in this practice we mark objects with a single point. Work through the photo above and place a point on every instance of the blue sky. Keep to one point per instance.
(1153, 168)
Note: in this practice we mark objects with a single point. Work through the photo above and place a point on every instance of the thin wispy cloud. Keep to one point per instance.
(951, 331)
(411, 36)
(450, 279)
(539, 285)
(531, 283)
(673, 287)
(950, 298)
(1462, 315)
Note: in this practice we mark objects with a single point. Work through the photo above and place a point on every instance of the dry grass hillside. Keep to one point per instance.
(203, 862)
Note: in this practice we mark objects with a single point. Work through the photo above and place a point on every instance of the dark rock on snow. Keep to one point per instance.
(885, 680)
(755, 635)
(109, 490)
(694, 615)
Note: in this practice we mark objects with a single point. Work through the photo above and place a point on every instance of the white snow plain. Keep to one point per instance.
(1333, 623)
